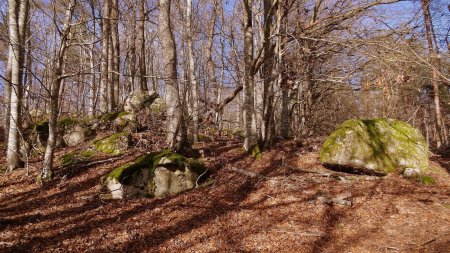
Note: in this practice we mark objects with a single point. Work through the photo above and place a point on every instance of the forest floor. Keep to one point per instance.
(286, 204)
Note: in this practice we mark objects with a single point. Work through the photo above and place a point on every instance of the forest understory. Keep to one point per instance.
(285, 202)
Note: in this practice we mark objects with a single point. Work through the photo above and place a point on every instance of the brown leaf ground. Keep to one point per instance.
(236, 213)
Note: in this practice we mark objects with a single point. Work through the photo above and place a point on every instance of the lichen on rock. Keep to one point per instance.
(378, 145)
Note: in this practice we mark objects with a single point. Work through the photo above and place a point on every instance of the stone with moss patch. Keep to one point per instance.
(377, 145)
(114, 144)
(155, 174)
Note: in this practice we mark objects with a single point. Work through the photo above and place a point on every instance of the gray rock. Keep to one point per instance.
(125, 122)
(377, 145)
(156, 174)
(138, 100)
(74, 136)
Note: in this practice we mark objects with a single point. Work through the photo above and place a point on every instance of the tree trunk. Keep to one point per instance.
(141, 44)
(115, 53)
(209, 49)
(440, 137)
(18, 14)
(8, 90)
(249, 108)
(175, 139)
(47, 164)
(192, 75)
(104, 81)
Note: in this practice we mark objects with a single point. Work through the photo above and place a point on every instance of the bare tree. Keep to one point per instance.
(176, 139)
(18, 14)
(57, 77)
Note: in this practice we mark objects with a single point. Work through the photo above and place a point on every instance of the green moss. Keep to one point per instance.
(110, 144)
(427, 180)
(76, 157)
(151, 162)
(388, 145)
(66, 122)
(256, 152)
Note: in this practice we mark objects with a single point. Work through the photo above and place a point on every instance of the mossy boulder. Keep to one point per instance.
(138, 100)
(114, 144)
(155, 175)
(381, 146)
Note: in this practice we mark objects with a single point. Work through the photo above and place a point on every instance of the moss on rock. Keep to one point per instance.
(114, 144)
(142, 172)
(379, 145)
(76, 157)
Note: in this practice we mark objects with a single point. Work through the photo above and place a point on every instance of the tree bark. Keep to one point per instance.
(192, 75)
(142, 69)
(249, 107)
(440, 138)
(18, 14)
(47, 164)
(104, 81)
(175, 139)
(115, 53)
(209, 49)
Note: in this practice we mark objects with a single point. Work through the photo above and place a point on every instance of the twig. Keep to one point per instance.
(300, 233)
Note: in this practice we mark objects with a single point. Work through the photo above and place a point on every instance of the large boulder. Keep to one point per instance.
(114, 144)
(154, 175)
(380, 146)
(138, 100)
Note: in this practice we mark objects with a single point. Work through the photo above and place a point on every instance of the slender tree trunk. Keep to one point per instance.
(115, 54)
(192, 75)
(141, 44)
(175, 138)
(249, 107)
(18, 13)
(209, 50)
(8, 89)
(47, 164)
(282, 84)
(440, 137)
(104, 81)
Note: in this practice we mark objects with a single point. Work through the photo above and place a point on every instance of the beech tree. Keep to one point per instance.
(18, 14)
